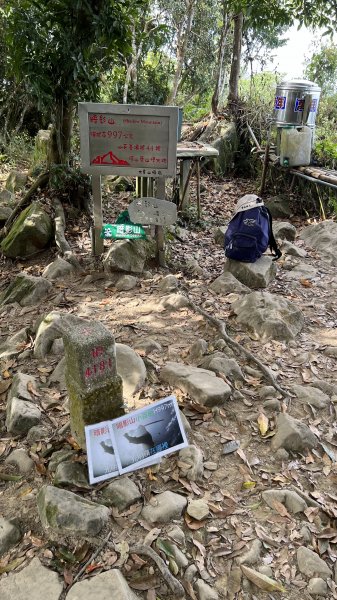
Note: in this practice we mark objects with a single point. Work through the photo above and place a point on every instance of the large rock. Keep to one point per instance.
(191, 463)
(42, 146)
(310, 564)
(219, 235)
(292, 501)
(220, 363)
(121, 493)
(279, 206)
(31, 233)
(292, 250)
(9, 536)
(25, 289)
(284, 230)
(48, 331)
(322, 236)
(110, 585)
(301, 271)
(14, 344)
(269, 316)
(127, 255)
(16, 180)
(201, 384)
(20, 386)
(131, 368)
(33, 582)
(225, 139)
(292, 434)
(67, 513)
(228, 284)
(5, 213)
(254, 275)
(164, 507)
(311, 395)
(21, 416)
(59, 269)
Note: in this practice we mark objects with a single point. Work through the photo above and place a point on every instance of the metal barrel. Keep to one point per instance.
(296, 103)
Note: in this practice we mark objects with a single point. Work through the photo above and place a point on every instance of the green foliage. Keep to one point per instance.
(322, 68)
(199, 106)
(17, 151)
(258, 93)
(325, 147)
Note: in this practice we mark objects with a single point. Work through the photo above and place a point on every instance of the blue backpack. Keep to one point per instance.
(249, 234)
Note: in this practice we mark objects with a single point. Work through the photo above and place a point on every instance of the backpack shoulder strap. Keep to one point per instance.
(272, 242)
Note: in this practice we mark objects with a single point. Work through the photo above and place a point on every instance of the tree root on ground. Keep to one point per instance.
(240, 349)
(60, 239)
(171, 581)
(41, 182)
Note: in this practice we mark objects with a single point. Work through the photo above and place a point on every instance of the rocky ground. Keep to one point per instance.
(248, 509)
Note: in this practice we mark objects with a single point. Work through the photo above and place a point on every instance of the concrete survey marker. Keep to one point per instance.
(152, 211)
(95, 389)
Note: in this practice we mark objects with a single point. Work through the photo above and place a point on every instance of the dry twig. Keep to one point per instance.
(171, 581)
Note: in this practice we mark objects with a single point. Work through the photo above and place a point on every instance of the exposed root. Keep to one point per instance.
(171, 581)
(240, 349)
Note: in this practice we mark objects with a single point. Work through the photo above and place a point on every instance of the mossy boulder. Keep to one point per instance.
(26, 290)
(16, 180)
(31, 233)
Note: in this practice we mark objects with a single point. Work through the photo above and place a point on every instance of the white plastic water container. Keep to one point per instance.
(295, 148)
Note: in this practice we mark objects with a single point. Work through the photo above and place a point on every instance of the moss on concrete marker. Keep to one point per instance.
(95, 389)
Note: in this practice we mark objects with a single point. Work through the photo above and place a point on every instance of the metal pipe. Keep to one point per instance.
(321, 181)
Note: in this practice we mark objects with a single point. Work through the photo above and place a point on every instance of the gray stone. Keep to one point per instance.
(327, 387)
(190, 573)
(301, 271)
(281, 454)
(269, 316)
(322, 236)
(168, 284)
(21, 460)
(132, 370)
(121, 493)
(205, 591)
(317, 587)
(292, 250)
(110, 585)
(16, 180)
(71, 474)
(148, 346)
(177, 534)
(220, 363)
(311, 395)
(273, 405)
(21, 416)
(267, 391)
(25, 289)
(254, 275)
(48, 331)
(59, 269)
(42, 146)
(291, 500)
(59, 375)
(14, 344)
(20, 386)
(292, 434)
(33, 582)
(164, 507)
(202, 385)
(191, 463)
(197, 350)
(197, 509)
(253, 555)
(57, 348)
(219, 235)
(37, 433)
(58, 457)
(265, 570)
(9, 536)
(228, 284)
(30, 233)
(126, 283)
(7, 198)
(284, 230)
(5, 213)
(126, 255)
(186, 424)
(279, 206)
(305, 534)
(309, 563)
(173, 302)
(67, 513)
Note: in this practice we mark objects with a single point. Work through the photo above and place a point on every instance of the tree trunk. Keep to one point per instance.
(220, 65)
(236, 61)
(182, 40)
(61, 133)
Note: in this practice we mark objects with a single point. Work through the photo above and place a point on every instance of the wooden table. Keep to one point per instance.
(190, 155)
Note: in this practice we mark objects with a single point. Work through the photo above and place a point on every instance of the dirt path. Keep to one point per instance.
(232, 484)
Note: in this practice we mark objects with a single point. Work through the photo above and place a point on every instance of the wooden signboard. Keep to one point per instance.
(128, 139)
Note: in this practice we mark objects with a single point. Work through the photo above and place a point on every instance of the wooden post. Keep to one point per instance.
(198, 189)
(97, 241)
(159, 231)
(184, 192)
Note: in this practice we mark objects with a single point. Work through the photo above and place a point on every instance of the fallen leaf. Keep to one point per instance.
(4, 385)
(262, 581)
(12, 565)
(151, 536)
(143, 583)
(193, 523)
(68, 576)
(6, 374)
(248, 485)
(305, 282)
(281, 509)
(243, 457)
(263, 423)
(31, 389)
(231, 446)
